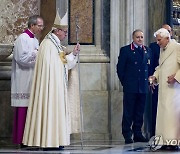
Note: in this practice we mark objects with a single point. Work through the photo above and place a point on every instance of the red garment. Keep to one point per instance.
(19, 124)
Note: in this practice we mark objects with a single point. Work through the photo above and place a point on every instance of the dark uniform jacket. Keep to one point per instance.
(155, 55)
(134, 68)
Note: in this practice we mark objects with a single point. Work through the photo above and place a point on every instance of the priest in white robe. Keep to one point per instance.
(48, 123)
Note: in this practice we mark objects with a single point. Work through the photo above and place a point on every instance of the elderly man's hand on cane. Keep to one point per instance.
(152, 81)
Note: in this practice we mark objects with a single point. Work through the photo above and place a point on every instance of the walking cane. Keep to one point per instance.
(81, 106)
(150, 108)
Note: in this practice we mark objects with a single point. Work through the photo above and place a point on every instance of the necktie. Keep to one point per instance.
(140, 51)
(139, 48)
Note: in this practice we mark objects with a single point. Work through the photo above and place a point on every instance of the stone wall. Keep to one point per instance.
(14, 15)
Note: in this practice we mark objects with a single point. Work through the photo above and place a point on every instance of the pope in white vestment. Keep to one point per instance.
(168, 77)
(48, 122)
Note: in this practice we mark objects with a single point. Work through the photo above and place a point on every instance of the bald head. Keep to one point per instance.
(166, 26)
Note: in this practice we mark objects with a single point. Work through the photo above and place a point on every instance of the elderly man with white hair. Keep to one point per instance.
(167, 75)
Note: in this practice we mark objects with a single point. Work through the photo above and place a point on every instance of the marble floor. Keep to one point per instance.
(91, 147)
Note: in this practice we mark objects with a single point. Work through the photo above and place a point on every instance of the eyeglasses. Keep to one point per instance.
(65, 31)
(41, 26)
(139, 37)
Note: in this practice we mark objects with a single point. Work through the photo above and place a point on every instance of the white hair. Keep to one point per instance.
(162, 32)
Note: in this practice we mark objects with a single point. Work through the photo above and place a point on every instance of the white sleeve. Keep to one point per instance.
(71, 60)
(25, 51)
(156, 73)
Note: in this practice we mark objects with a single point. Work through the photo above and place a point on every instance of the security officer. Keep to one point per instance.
(133, 70)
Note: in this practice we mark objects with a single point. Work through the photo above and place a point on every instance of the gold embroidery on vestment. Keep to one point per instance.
(63, 57)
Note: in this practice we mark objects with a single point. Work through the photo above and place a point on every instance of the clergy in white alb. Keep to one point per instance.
(24, 57)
